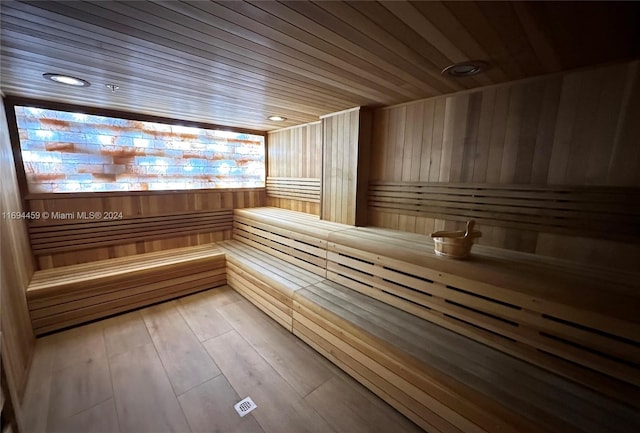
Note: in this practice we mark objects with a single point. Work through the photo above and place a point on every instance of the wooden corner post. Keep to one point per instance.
(346, 143)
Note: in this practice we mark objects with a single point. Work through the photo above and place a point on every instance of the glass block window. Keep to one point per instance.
(75, 152)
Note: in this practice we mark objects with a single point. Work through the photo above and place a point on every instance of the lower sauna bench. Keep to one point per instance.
(61, 297)
(441, 380)
(266, 281)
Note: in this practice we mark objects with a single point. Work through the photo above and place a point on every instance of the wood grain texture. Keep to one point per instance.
(295, 59)
(212, 404)
(186, 362)
(69, 295)
(302, 189)
(274, 253)
(295, 205)
(79, 234)
(200, 311)
(79, 387)
(598, 212)
(184, 207)
(16, 269)
(286, 369)
(567, 130)
(295, 153)
(286, 410)
(453, 384)
(526, 307)
(295, 362)
(124, 332)
(356, 412)
(345, 161)
(101, 418)
(266, 281)
(145, 401)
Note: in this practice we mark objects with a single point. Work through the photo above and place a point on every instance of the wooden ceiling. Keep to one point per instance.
(235, 63)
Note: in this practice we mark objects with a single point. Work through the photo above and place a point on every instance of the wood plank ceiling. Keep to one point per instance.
(235, 63)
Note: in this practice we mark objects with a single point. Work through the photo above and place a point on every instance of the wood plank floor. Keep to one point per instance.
(180, 367)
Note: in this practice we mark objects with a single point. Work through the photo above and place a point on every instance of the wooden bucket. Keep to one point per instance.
(455, 244)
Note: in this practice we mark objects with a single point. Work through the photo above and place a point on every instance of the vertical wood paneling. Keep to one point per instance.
(606, 121)
(512, 135)
(544, 133)
(498, 131)
(577, 128)
(483, 143)
(569, 100)
(623, 168)
(471, 138)
(345, 171)
(16, 269)
(295, 152)
(528, 132)
(422, 167)
(584, 126)
(448, 138)
(437, 139)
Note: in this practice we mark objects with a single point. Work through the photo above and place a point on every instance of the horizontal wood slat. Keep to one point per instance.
(296, 188)
(66, 296)
(439, 379)
(605, 212)
(59, 235)
(274, 253)
(300, 60)
(549, 318)
(405, 334)
(295, 237)
(267, 281)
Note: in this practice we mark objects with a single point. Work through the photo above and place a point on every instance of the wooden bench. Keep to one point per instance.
(435, 337)
(69, 295)
(296, 237)
(442, 380)
(584, 328)
(273, 254)
(266, 281)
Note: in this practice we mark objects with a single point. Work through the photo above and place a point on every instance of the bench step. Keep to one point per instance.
(70, 295)
(442, 380)
(295, 237)
(585, 329)
(266, 281)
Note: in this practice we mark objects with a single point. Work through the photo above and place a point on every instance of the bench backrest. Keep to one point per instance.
(601, 212)
(76, 231)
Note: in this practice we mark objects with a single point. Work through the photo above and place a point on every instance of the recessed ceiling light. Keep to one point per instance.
(67, 79)
(466, 69)
(277, 118)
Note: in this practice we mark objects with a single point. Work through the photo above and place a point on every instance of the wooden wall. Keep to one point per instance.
(294, 154)
(16, 269)
(146, 204)
(574, 129)
(346, 144)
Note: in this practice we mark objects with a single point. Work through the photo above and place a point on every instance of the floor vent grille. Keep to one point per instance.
(245, 406)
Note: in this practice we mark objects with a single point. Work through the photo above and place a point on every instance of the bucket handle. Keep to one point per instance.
(470, 225)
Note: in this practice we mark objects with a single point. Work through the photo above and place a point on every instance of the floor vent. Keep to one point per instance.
(245, 406)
